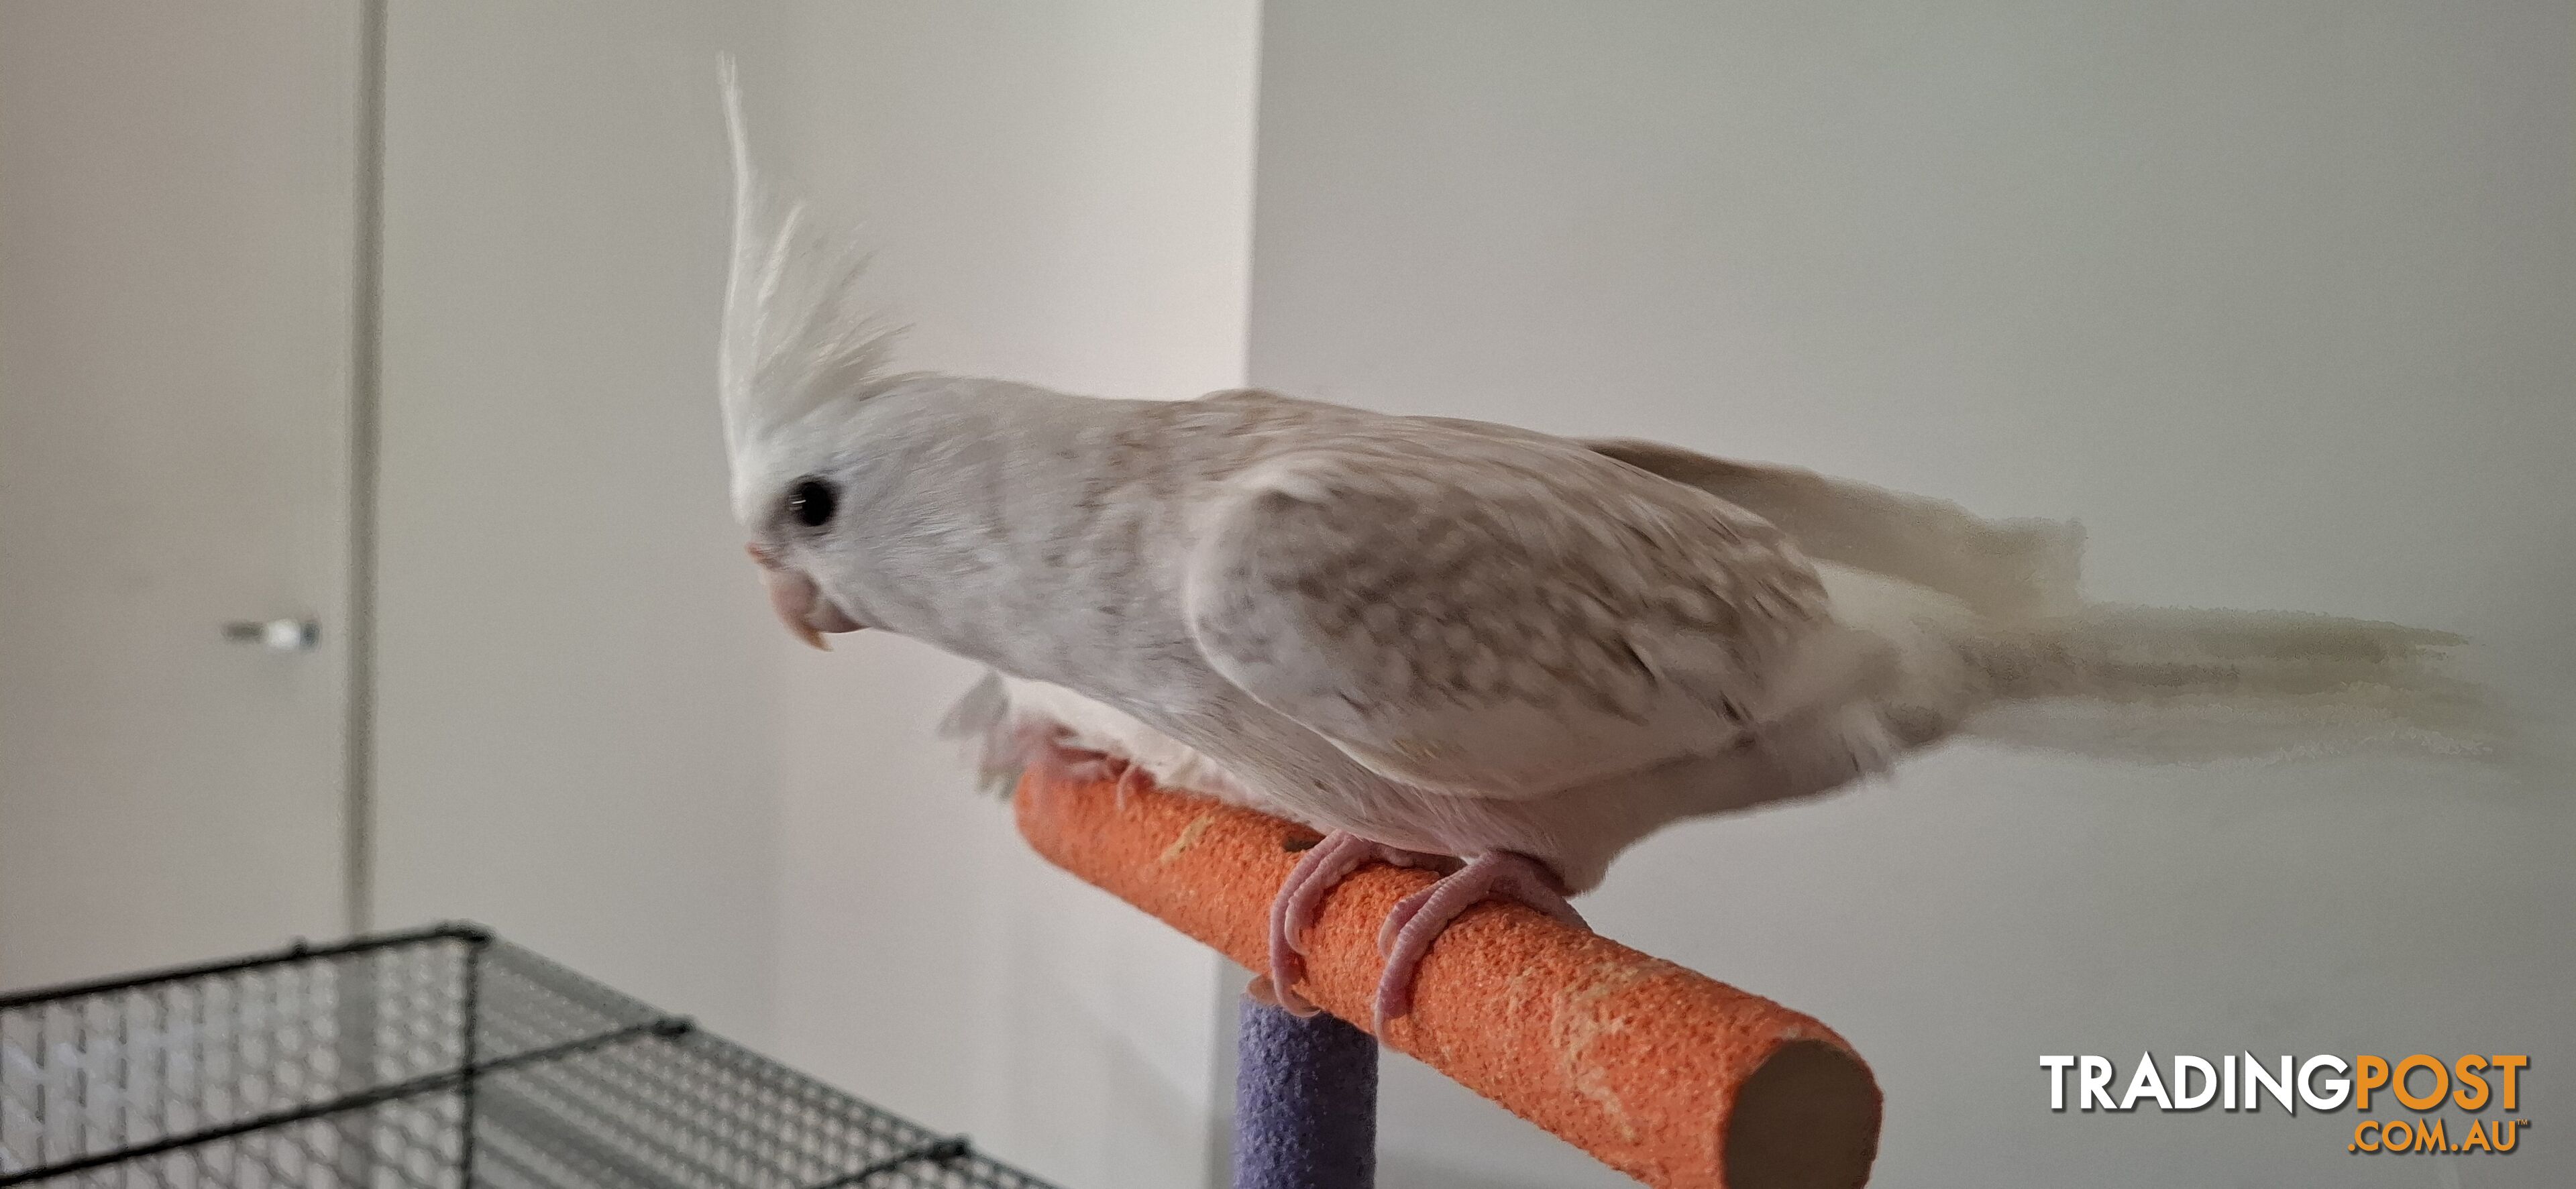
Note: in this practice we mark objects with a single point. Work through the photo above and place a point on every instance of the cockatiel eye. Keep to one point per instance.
(811, 502)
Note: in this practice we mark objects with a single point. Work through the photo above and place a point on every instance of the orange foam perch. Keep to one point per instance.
(1658, 1071)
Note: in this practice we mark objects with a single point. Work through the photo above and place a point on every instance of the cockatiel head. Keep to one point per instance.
(799, 354)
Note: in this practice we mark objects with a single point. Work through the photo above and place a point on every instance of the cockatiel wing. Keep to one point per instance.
(2025, 567)
(1499, 618)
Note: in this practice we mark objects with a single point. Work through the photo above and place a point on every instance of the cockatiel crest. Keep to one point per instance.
(798, 342)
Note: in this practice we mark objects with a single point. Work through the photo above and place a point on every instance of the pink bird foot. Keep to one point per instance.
(1324, 866)
(1419, 919)
(1129, 772)
(1049, 749)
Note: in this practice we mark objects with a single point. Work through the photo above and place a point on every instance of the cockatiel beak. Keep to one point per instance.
(799, 603)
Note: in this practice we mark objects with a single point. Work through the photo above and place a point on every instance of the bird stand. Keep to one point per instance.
(1660, 1072)
(1305, 1102)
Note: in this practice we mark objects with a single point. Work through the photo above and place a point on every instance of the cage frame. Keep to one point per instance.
(528, 1047)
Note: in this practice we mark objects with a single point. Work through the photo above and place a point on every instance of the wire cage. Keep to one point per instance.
(438, 1059)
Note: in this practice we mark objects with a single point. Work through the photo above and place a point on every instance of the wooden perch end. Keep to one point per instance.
(1658, 1071)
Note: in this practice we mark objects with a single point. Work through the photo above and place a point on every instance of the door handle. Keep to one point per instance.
(276, 635)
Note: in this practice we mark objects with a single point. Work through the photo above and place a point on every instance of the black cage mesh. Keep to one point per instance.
(441, 1059)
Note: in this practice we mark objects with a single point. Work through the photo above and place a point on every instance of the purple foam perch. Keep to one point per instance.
(1305, 1103)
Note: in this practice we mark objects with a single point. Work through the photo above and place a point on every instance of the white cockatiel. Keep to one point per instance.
(1501, 654)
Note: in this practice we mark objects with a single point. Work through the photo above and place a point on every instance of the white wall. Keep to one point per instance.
(1063, 194)
(2274, 298)
(577, 739)
(593, 736)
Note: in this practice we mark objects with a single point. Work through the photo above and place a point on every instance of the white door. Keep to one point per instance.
(179, 241)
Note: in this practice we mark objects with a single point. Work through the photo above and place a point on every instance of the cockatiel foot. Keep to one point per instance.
(1301, 898)
(1050, 750)
(1419, 919)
